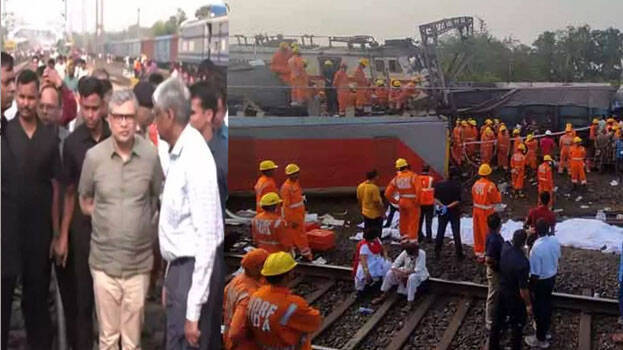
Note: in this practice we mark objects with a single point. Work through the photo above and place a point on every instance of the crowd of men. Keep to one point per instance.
(102, 190)
(338, 91)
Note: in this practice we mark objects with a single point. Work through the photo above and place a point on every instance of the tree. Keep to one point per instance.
(203, 12)
(171, 26)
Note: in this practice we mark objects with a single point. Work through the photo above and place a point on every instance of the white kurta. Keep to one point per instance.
(377, 266)
(419, 273)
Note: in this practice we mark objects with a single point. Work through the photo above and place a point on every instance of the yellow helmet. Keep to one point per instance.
(464, 123)
(401, 162)
(458, 122)
(296, 50)
(328, 63)
(472, 122)
(515, 131)
(278, 264)
(496, 120)
(267, 165)
(283, 45)
(547, 158)
(530, 137)
(503, 128)
(488, 122)
(568, 127)
(364, 62)
(396, 83)
(270, 198)
(292, 169)
(294, 44)
(380, 82)
(610, 120)
(484, 170)
(521, 147)
(577, 139)
(595, 121)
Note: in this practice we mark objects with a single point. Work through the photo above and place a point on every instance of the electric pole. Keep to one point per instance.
(138, 23)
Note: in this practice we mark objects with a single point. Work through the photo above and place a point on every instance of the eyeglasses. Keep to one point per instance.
(123, 117)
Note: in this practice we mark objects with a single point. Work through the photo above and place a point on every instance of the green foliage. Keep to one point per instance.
(169, 26)
(203, 12)
(574, 54)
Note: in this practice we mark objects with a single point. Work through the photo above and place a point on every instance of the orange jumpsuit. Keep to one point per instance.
(382, 96)
(456, 151)
(409, 189)
(298, 79)
(263, 186)
(546, 181)
(565, 143)
(532, 147)
(486, 148)
(279, 319)
(592, 133)
(485, 195)
(577, 154)
(518, 169)
(362, 88)
(396, 98)
(269, 232)
(279, 64)
(235, 302)
(294, 215)
(504, 144)
(516, 143)
(469, 135)
(340, 82)
(476, 136)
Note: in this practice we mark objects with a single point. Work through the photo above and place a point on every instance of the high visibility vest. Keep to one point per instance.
(293, 205)
(577, 154)
(406, 183)
(544, 173)
(263, 186)
(485, 194)
(427, 196)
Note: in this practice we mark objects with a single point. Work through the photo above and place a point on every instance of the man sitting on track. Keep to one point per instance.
(371, 262)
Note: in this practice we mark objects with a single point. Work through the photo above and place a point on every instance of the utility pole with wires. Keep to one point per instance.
(138, 23)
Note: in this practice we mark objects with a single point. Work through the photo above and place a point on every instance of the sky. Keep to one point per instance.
(118, 14)
(524, 20)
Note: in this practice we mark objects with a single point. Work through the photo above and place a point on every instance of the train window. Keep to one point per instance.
(380, 65)
(224, 45)
(394, 67)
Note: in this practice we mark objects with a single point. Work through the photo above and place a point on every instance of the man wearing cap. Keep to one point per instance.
(265, 183)
(381, 94)
(236, 299)
(268, 227)
(279, 62)
(518, 169)
(577, 153)
(488, 143)
(340, 83)
(532, 146)
(504, 145)
(277, 318)
(362, 85)
(395, 96)
(485, 195)
(190, 227)
(516, 140)
(427, 205)
(456, 151)
(408, 186)
(547, 144)
(294, 210)
(565, 144)
(472, 135)
(328, 72)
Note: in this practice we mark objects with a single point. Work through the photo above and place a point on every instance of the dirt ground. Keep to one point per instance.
(579, 269)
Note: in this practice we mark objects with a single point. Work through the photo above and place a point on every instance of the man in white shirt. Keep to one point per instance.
(190, 228)
(544, 258)
(408, 272)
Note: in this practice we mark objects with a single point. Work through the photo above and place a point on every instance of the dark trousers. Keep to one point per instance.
(390, 217)
(36, 287)
(513, 307)
(81, 295)
(65, 277)
(426, 212)
(543, 306)
(618, 168)
(177, 284)
(455, 223)
(8, 286)
(331, 100)
(373, 223)
(620, 299)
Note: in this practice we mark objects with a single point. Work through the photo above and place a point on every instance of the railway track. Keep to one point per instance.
(440, 319)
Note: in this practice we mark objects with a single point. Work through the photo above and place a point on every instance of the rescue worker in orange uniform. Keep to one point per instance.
(363, 84)
(298, 77)
(466, 133)
(279, 62)
(577, 154)
(294, 210)
(351, 98)
(488, 124)
(268, 228)
(504, 145)
(340, 83)
(565, 143)
(396, 96)
(546, 179)
(471, 135)
(277, 318)
(427, 204)
(408, 186)
(236, 335)
(266, 183)
(532, 145)
(488, 143)
(518, 170)
(496, 125)
(485, 196)
(381, 94)
(456, 151)
(516, 140)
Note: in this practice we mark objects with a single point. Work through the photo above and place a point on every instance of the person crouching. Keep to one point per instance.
(408, 272)
(371, 262)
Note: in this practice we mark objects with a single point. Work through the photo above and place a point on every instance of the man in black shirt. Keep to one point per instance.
(71, 248)
(328, 72)
(493, 250)
(36, 161)
(448, 197)
(10, 238)
(514, 299)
